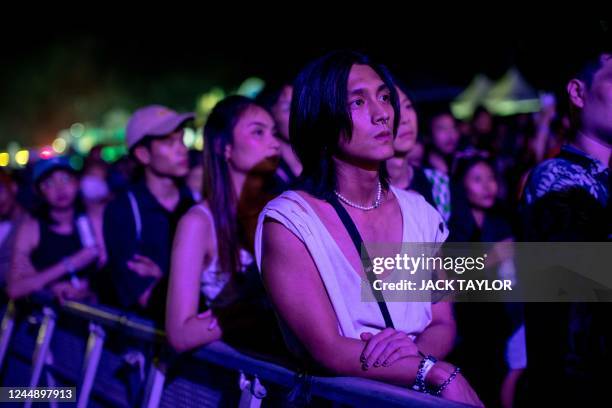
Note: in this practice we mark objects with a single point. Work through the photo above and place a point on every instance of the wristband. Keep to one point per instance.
(424, 367)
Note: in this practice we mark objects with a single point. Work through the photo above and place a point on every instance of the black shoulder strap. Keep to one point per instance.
(358, 241)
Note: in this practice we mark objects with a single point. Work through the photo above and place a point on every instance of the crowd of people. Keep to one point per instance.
(261, 232)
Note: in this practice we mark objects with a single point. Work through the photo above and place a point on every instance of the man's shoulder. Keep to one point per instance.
(553, 175)
(555, 165)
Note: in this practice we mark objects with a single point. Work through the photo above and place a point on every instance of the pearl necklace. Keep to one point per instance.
(363, 207)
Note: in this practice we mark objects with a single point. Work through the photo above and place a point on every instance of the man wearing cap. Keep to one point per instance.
(139, 224)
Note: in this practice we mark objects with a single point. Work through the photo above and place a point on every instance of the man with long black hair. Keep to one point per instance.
(343, 121)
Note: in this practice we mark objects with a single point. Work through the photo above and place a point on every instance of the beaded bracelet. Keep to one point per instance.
(448, 381)
(424, 366)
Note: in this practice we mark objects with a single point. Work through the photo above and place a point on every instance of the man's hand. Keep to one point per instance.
(206, 315)
(64, 291)
(386, 347)
(144, 267)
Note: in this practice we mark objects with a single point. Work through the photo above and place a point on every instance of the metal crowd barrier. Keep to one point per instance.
(256, 377)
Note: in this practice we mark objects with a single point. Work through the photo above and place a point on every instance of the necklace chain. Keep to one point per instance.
(363, 207)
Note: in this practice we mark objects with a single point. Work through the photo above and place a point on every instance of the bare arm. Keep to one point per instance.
(184, 327)
(23, 279)
(296, 290)
(298, 294)
(438, 338)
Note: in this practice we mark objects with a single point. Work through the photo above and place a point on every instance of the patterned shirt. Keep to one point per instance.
(571, 168)
(440, 191)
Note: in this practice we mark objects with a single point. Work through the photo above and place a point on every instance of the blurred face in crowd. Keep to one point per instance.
(281, 110)
(59, 189)
(369, 104)
(93, 183)
(8, 190)
(483, 122)
(255, 145)
(444, 133)
(480, 186)
(407, 129)
(595, 101)
(166, 156)
(416, 154)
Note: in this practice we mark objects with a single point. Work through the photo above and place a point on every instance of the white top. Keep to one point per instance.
(421, 223)
(213, 279)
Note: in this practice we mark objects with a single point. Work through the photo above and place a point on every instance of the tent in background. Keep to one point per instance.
(510, 95)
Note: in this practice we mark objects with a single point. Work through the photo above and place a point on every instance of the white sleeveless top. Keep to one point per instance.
(421, 223)
(213, 279)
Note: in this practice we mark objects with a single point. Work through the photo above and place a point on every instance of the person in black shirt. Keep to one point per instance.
(482, 221)
(567, 199)
(56, 250)
(401, 173)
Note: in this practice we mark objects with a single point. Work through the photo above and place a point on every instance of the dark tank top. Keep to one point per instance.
(53, 248)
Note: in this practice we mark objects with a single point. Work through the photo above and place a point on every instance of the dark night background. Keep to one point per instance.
(77, 70)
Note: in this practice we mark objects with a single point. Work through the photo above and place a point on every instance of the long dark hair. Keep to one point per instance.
(464, 162)
(401, 85)
(218, 189)
(319, 115)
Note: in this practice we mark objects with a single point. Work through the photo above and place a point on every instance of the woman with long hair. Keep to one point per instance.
(213, 247)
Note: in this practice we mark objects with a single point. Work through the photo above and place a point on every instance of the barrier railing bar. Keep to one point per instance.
(95, 344)
(45, 333)
(8, 324)
(155, 384)
(348, 390)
